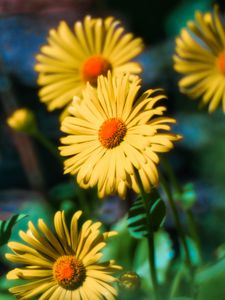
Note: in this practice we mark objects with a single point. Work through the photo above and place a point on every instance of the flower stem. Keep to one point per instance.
(194, 233)
(151, 243)
(190, 218)
(176, 283)
(169, 170)
(177, 221)
(151, 257)
(47, 144)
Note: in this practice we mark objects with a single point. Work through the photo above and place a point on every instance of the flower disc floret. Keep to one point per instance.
(112, 132)
(94, 67)
(220, 62)
(69, 272)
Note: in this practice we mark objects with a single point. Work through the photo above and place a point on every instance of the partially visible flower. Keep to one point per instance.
(22, 120)
(200, 56)
(63, 265)
(130, 281)
(114, 133)
(72, 58)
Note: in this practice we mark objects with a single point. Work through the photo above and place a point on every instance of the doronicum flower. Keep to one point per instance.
(115, 132)
(72, 58)
(62, 265)
(22, 120)
(200, 57)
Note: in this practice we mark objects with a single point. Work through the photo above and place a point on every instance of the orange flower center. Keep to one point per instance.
(69, 272)
(112, 132)
(93, 67)
(220, 62)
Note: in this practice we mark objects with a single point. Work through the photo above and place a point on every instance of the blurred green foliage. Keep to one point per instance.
(6, 227)
(210, 282)
(184, 12)
(137, 259)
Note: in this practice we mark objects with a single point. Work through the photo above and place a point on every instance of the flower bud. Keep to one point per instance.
(22, 120)
(130, 281)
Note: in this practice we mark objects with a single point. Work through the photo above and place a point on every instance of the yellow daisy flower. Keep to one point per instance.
(70, 59)
(113, 131)
(200, 56)
(64, 265)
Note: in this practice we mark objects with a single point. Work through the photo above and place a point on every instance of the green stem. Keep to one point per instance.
(177, 222)
(194, 233)
(151, 257)
(47, 144)
(169, 170)
(176, 283)
(191, 221)
(151, 243)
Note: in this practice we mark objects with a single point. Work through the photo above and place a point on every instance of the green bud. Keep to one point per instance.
(130, 281)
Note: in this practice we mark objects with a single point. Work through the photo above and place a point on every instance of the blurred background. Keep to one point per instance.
(31, 180)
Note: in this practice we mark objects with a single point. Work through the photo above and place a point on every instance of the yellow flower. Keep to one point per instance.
(113, 131)
(200, 56)
(22, 120)
(64, 265)
(72, 58)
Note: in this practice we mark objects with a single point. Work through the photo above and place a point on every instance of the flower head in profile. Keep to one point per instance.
(72, 58)
(22, 120)
(62, 265)
(200, 57)
(114, 132)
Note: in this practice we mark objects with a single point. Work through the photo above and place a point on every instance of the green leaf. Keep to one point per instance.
(220, 251)
(146, 218)
(157, 214)
(125, 242)
(163, 256)
(137, 219)
(6, 227)
(6, 297)
(210, 282)
(182, 298)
